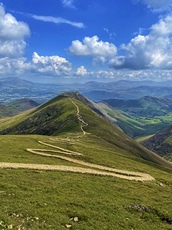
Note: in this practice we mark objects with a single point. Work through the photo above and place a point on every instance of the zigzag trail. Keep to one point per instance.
(89, 168)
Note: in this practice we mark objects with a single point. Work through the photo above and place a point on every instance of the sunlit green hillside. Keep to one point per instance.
(83, 174)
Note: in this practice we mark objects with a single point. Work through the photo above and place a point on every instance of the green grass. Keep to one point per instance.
(47, 119)
(58, 116)
(38, 199)
(35, 199)
(13, 149)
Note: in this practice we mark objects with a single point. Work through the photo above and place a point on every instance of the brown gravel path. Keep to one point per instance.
(89, 168)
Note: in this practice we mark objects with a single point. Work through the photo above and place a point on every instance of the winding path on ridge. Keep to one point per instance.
(80, 119)
(88, 168)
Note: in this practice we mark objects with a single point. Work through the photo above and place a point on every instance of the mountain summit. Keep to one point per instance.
(71, 113)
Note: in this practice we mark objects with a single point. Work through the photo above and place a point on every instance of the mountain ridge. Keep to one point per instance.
(59, 116)
(16, 88)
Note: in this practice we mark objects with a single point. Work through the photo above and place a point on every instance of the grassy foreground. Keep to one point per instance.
(52, 200)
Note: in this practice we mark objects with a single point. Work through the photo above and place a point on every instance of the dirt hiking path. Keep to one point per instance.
(88, 168)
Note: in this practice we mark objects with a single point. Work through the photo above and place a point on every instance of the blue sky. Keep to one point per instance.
(83, 40)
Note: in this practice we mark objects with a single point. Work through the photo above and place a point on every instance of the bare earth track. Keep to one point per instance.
(88, 167)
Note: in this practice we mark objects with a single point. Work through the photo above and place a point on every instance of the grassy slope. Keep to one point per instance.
(48, 119)
(59, 116)
(168, 143)
(130, 125)
(35, 199)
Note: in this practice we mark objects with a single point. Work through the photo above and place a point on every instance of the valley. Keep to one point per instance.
(140, 117)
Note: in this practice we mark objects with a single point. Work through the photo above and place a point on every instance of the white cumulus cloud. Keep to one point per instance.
(153, 50)
(54, 65)
(81, 71)
(12, 34)
(92, 46)
(14, 66)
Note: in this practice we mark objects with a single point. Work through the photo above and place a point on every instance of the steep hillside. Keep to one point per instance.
(141, 117)
(16, 106)
(161, 143)
(65, 115)
(128, 124)
(145, 106)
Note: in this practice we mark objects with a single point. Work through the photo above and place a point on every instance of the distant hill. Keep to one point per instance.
(17, 106)
(124, 84)
(14, 81)
(161, 143)
(15, 88)
(125, 93)
(146, 106)
(140, 117)
(60, 116)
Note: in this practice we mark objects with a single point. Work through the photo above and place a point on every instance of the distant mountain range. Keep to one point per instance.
(15, 88)
(147, 106)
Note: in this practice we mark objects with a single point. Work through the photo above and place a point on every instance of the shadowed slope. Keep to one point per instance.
(161, 143)
(15, 107)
